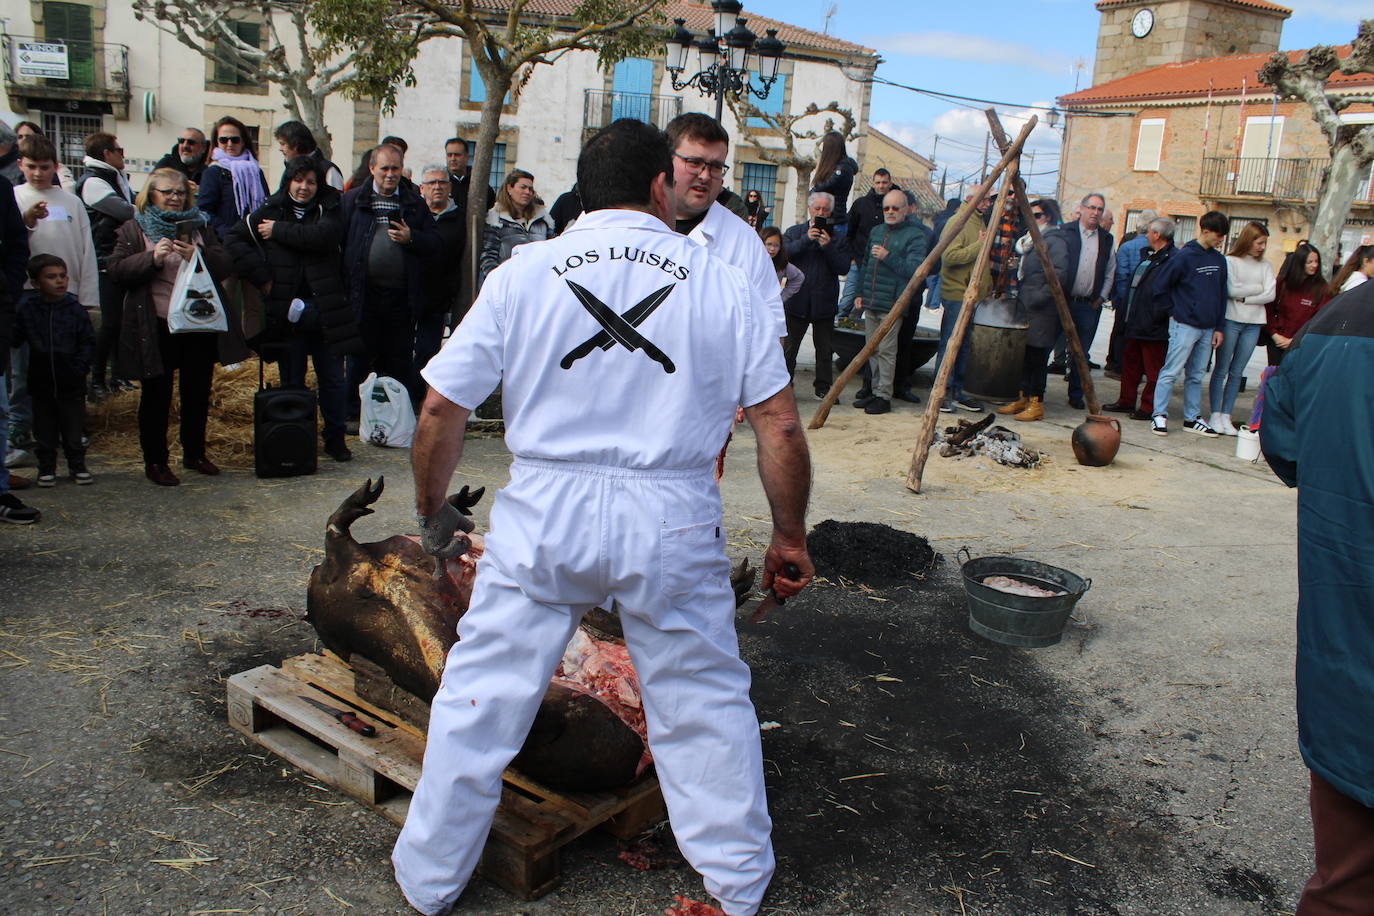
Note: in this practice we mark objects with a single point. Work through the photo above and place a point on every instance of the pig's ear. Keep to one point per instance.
(464, 500)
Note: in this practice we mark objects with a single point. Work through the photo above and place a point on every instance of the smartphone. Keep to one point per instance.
(186, 231)
(823, 223)
(394, 222)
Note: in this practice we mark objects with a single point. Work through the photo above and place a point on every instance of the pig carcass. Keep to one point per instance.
(383, 601)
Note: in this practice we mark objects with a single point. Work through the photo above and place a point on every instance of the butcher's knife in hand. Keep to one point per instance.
(773, 599)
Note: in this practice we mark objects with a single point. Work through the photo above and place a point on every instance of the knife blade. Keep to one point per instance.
(773, 599)
(619, 329)
(345, 717)
(635, 316)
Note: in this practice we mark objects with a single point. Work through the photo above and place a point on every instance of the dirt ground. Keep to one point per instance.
(1145, 765)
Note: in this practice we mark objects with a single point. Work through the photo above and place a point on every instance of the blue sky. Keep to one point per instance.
(1023, 52)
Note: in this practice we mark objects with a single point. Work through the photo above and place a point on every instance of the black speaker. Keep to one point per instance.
(285, 439)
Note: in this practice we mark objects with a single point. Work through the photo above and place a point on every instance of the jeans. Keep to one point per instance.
(21, 408)
(1085, 321)
(1189, 348)
(1232, 356)
(111, 317)
(329, 375)
(954, 387)
(850, 290)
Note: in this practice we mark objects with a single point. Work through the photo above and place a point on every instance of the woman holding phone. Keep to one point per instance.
(148, 253)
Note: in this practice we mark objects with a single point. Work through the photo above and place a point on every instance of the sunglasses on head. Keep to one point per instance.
(225, 140)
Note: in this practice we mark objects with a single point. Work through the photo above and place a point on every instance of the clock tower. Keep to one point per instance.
(1138, 34)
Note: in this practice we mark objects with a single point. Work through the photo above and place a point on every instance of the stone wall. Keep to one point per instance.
(1183, 30)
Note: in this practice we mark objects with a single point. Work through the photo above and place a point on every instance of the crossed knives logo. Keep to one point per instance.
(619, 328)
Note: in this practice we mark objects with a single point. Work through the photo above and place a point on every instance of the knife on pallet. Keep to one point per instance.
(345, 717)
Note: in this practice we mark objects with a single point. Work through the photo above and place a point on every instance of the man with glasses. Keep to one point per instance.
(894, 251)
(187, 156)
(104, 190)
(814, 250)
(700, 148)
(443, 271)
(1092, 274)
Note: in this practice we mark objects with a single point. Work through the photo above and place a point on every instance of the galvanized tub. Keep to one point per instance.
(1020, 620)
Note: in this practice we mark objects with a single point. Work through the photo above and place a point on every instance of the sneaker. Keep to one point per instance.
(1196, 425)
(969, 404)
(1159, 425)
(97, 392)
(946, 406)
(1222, 423)
(15, 512)
(47, 478)
(878, 405)
(82, 476)
(20, 458)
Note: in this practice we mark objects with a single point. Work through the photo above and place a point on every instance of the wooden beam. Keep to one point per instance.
(956, 338)
(917, 281)
(1061, 302)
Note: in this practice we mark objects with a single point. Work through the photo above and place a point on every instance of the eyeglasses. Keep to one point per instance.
(119, 149)
(188, 141)
(171, 192)
(1037, 214)
(893, 209)
(435, 181)
(697, 164)
(225, 141)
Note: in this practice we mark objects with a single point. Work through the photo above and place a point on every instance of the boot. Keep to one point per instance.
(1016, 406)
(1035, 410)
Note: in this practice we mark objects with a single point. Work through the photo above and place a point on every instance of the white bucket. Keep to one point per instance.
(1247, 444)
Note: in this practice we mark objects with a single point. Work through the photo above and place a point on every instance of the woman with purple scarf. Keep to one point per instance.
(233, 186)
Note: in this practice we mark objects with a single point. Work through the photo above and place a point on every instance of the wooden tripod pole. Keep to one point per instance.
(956, 338)
(1061, 302)
(918, 280)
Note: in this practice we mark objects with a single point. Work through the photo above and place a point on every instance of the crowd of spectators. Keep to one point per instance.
(366, 275)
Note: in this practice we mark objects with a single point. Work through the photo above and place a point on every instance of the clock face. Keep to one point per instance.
(1142, 23)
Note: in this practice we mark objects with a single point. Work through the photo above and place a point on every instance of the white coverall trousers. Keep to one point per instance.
(564, 538)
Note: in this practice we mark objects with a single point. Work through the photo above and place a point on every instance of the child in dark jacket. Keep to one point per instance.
(61, 343)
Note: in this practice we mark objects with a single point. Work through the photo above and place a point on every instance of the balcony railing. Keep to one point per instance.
(93, 70)
(601, 107)
(1269, 178)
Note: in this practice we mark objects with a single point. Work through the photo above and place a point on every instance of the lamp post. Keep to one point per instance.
(724, 54)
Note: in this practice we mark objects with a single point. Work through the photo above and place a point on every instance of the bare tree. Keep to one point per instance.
(1351, 145)
(287, 56)
(788, 129)
(506, 45)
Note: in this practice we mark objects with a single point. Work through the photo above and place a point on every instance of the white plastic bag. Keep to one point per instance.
(195, 304)
(387, 417)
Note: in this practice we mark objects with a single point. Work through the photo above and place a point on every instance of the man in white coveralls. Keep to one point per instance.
(623, 349)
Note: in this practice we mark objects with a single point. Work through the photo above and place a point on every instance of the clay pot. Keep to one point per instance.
(1095, 441)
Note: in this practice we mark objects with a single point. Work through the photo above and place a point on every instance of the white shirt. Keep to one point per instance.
(66, 233)
(734, 241)
(1353, 281)
(567, 397)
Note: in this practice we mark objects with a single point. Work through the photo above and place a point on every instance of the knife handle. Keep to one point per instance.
(358, 725)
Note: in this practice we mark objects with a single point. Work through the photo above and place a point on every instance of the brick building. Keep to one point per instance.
(1190, 131)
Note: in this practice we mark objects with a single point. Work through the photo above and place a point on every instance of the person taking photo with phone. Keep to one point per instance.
(148, 253)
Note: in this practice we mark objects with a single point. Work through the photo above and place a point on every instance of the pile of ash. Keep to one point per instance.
(868, 553)
(982, 438)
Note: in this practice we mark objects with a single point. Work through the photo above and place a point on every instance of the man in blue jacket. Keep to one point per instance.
(388, 237)
(814, 249)
(1318, 422)
(1193, 282)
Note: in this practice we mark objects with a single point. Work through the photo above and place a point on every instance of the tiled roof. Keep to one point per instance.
(700, 18)
(1256, 4)
(1192, 78)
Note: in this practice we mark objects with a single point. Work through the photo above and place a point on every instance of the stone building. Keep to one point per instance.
(1193, 132)
(127, 77)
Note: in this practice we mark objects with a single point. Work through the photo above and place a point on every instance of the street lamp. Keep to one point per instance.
(724, 53)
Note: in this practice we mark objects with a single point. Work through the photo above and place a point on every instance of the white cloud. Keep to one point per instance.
(960, 148)
(1335, 10)
(955, 46)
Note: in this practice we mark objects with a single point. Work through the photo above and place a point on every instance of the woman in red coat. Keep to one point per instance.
(1302, 289)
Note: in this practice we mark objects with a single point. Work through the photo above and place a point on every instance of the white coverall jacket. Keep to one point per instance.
(736, 242)
(623, 349)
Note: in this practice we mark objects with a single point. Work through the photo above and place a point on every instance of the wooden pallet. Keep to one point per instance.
(533, 823)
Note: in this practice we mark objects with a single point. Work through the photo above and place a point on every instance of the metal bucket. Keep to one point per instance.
(996, 349)
(1020, 620)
